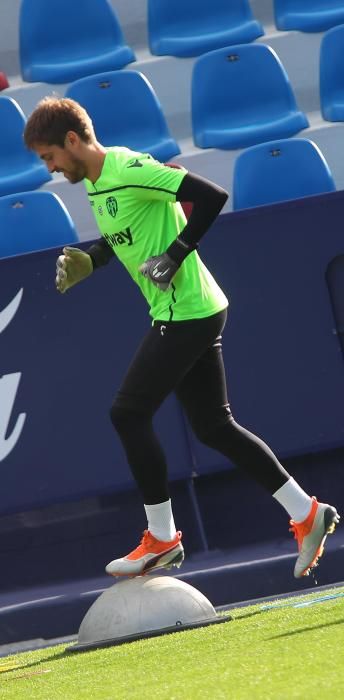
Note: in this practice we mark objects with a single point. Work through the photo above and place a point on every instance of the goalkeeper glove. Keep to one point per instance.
(72, 267)
(159, 269)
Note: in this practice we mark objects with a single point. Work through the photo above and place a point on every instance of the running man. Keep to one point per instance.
(136, 204)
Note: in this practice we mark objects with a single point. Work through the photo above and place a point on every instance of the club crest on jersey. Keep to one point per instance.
(112, 206)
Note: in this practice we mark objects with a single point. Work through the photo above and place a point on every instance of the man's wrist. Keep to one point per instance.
(100, 254)
(179, 250)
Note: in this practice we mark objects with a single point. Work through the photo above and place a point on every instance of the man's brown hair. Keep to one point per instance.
(53, 118)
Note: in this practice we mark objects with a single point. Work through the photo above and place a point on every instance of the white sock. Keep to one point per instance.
(294, 499)
(161, 521)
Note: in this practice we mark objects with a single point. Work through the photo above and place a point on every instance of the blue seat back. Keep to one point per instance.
(331, 79)
(195, 27)
(12, 125)
(246, 89)
(125, 112)
(31, 221)
(280, 170)
(62, 40)
(306, 16)
(20, 169)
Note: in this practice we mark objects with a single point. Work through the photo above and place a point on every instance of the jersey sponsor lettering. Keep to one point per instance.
(120, 238)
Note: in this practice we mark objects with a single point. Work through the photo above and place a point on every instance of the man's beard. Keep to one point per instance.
(77, 171)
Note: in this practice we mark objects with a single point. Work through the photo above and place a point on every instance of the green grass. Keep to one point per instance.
(279, 654)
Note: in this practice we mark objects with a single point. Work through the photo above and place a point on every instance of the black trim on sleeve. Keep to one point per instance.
(100, 253)
(208, 200)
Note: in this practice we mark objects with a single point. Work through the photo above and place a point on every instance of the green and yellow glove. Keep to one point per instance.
(72, 267)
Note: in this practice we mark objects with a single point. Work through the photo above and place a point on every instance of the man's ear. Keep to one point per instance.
(72, 138)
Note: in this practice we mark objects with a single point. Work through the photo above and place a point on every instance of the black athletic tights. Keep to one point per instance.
(185, 357)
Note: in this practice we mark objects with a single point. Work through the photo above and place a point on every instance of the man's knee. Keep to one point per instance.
(126, 418)
(208, 432)
(121, 417)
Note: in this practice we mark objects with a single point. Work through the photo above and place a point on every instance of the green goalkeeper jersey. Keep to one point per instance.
(134, 203)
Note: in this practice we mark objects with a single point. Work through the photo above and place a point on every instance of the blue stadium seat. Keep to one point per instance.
(241, 95)
(61, 41)
(125, 112)
(20, 169)
(308, 15)
(194, 27)
(280, 170)
(331, 79)
(31, 221)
